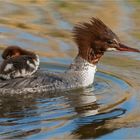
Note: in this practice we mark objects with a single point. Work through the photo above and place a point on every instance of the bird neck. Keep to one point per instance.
(83, 70)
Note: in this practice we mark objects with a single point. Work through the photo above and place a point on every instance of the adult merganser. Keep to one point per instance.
(18, 62)
(93, 39)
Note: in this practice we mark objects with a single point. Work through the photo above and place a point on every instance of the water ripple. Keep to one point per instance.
(64, 113)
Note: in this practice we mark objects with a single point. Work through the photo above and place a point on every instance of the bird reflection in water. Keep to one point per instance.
(79, 109)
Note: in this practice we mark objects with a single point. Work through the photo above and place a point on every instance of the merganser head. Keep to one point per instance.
(14, 51)
(94, 38)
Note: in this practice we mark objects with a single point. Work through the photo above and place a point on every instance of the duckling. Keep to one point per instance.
(18, 62)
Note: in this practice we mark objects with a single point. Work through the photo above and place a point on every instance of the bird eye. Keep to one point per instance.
(8, 57)
(110, 41)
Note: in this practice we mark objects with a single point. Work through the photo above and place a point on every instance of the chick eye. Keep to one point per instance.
(110, 41)
(8, 57)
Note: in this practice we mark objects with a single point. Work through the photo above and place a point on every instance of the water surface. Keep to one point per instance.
(109, 108)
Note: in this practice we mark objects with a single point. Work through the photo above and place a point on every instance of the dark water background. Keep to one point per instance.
(109, 109)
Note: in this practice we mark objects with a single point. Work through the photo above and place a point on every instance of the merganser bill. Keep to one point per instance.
(18, 62)
(93, 39)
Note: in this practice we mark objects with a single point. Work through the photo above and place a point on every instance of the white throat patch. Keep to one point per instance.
(84, 70)
(111, 49)
(88, 75)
